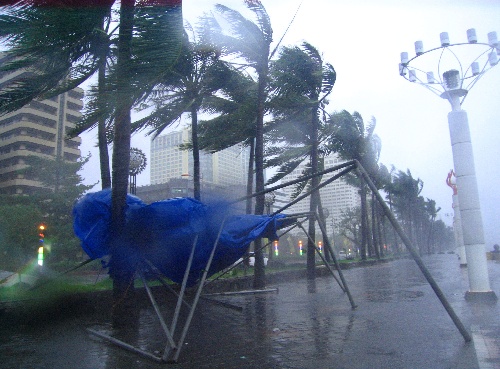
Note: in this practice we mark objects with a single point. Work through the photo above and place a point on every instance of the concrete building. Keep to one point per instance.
(225, 168)
(223, 174)
(39, 129)
(336, 197)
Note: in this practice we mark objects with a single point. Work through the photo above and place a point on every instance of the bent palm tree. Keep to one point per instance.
(236, 117)
(199, 76)
(353, 140)
(301, 82)
(56, 64)
(251, 42)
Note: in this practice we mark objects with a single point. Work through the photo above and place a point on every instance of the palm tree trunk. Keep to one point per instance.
(376, 243)
(101, 125)
(249, 201)
(250, 176)
(259, 270)
(326, 250)
(313, 202)
(121, 268)
(196, 153)
(364, 225)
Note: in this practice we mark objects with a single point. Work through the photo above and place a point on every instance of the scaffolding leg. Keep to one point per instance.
(168, 348)
(125, 345)
(197, 296)
(335, 261)
(342, 287)
(465, 334)
(168, 334)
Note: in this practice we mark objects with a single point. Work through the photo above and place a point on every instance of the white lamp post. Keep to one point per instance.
(454, 86)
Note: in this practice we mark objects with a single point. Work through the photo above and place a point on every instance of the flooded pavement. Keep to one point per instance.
(399, 323)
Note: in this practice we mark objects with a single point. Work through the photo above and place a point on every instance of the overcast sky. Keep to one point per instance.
(363, 40)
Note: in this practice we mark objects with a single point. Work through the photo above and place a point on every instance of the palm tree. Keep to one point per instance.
(353, 140)
(200, 75)
(236, 115)
(33, 31)
(251, 42)
(406, 191)
(301, 82)
(431, 210)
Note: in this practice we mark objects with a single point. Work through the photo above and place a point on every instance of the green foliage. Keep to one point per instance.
(21, 215)
(300, 83)
(32, 35)
(235, 114)
(19, 239)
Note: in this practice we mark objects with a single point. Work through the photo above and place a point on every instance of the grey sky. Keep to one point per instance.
(363, 41)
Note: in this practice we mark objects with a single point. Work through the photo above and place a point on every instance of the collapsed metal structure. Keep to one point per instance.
(175, 338)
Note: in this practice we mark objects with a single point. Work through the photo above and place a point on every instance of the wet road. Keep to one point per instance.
(399, 323)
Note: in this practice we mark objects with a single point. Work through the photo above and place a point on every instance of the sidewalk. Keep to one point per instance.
(399, 323)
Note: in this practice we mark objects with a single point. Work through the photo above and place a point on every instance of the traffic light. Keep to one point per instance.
(41, 241)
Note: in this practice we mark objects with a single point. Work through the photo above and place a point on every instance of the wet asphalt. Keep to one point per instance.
(398, 323)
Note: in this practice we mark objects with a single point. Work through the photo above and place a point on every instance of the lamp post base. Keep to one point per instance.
(488, 296)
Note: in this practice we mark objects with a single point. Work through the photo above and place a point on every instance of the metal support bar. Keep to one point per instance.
(322, 258)
(247, 292)
(168, 334)
(167, 351)
(335, 261)
(198, 293)
(317, 188)
(125, 345)
(465, 334)
(165, 284)
(301, 179)
(184, 283)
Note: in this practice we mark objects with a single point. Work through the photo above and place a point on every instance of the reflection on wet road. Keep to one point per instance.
(399, 323)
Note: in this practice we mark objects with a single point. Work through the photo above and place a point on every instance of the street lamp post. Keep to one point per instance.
(454, 87)
(269, 199)
(138, 163)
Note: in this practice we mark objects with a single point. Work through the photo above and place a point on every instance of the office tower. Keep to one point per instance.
(225, 168)
(40, 129)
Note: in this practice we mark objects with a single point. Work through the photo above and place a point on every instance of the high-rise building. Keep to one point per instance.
(39, 129)
(224, 168)
(335, 197)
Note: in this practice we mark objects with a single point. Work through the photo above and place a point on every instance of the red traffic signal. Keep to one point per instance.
(41, 232)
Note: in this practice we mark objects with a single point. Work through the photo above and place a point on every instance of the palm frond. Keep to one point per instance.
(284, 170)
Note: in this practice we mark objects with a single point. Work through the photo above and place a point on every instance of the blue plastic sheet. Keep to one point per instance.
(163, 232)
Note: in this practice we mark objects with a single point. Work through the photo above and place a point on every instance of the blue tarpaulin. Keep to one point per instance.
(163, 232)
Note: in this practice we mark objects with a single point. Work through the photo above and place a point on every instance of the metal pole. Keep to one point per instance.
(184, 283)
(337, 265)
(170, 339)
(465, 334)
(167, 351)
(197, 296)
(324, 261)
(125, 345)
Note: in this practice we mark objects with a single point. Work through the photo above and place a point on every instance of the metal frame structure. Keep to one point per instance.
(173, 347)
